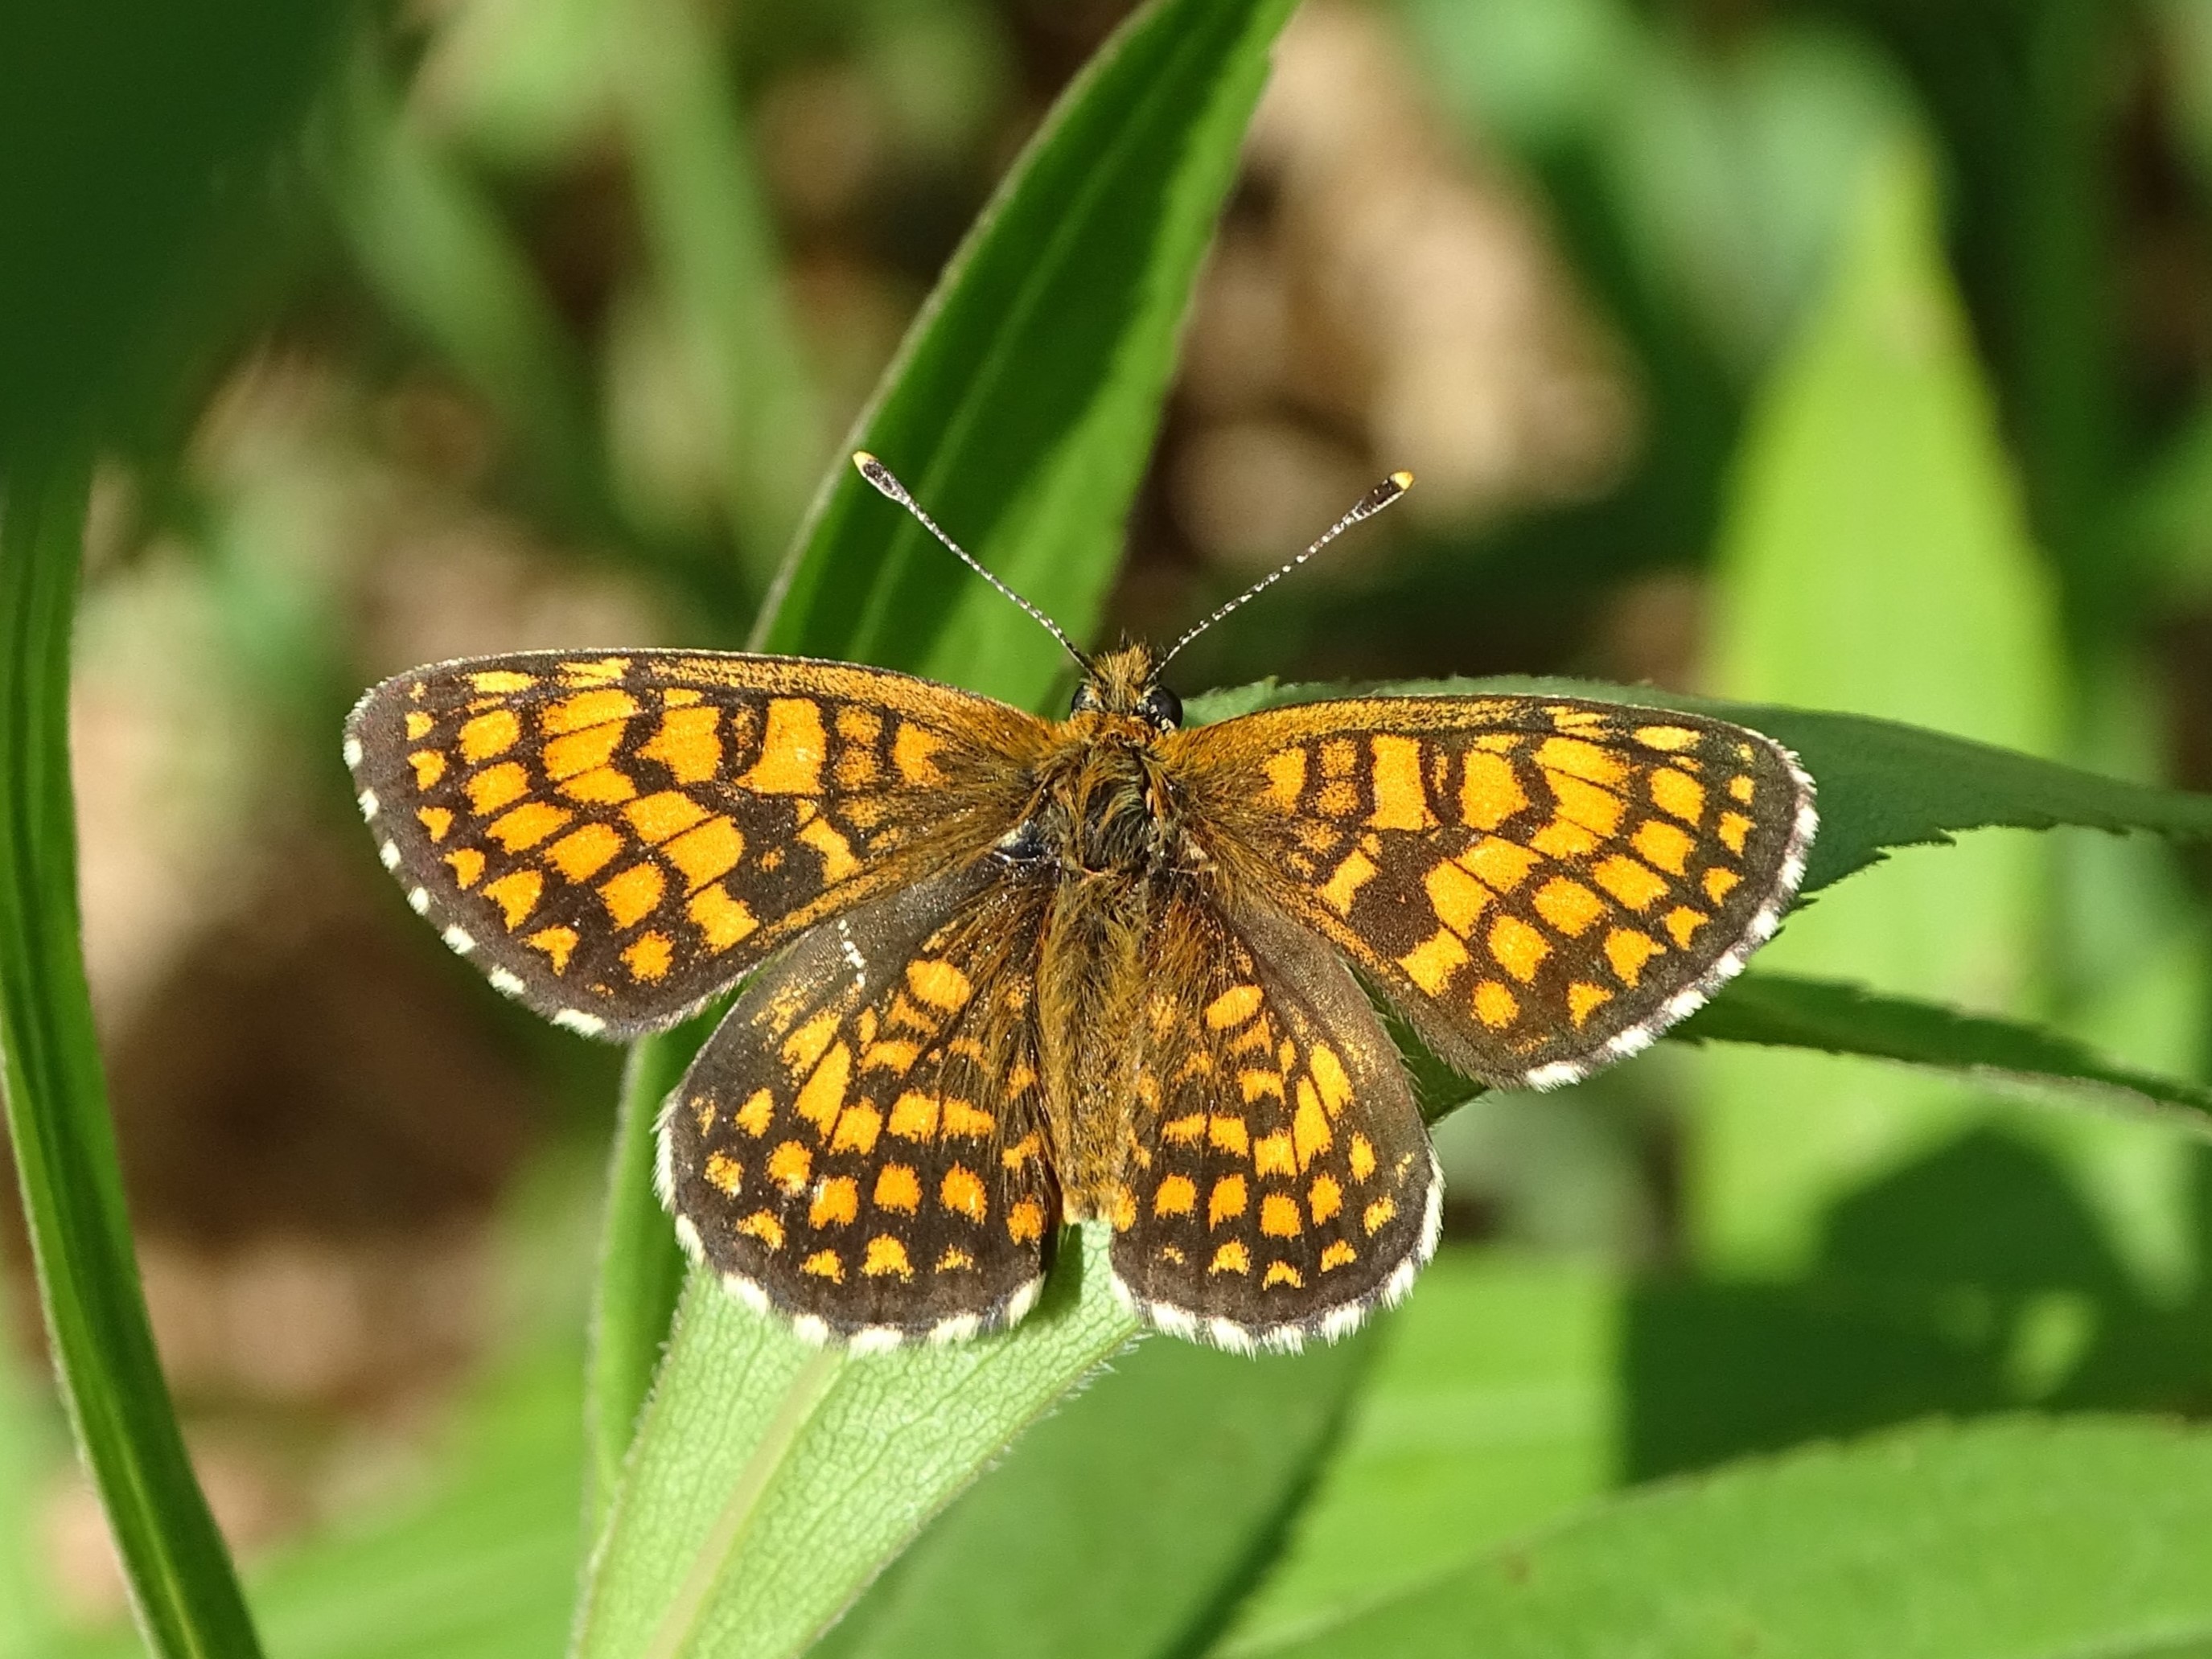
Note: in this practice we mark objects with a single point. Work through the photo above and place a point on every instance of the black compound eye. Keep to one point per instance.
(1024, 845)
(1085, 699)
(1162, 707)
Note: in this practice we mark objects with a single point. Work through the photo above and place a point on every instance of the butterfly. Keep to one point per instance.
(1004, 974)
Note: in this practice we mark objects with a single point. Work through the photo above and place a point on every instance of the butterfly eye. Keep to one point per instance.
(1162, 707)
(1085, 699)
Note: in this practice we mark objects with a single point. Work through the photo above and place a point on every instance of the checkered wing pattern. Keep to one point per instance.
(615, 839)
(861, 1145)
(1541, 886)
(1281, 1183)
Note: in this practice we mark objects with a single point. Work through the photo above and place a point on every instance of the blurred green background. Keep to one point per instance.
(1854, 355)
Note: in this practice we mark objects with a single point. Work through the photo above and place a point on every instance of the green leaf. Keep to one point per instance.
(182, 1584)
(1784, 1010)
(1126, 1525)
(2007, 1540)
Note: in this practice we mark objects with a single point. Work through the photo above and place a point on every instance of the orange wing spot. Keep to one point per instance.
(824, 1264)
(1337, 1254)
(891, 1055)
(1628, 951)
(1025, 1222)
(1229, 1134)
(1324, 1198)
(516, 894)
(1495, 1007)
(790, 1166)
(962, 1118)
(429, 766)
(836, 1201)
(886, 1256)
(1279, 1217)
(1584, 1000)
(1732, 829)
(1677, 795)
(582, 751)
(1230, 1258)
(1274, 1155)
(600, 786)
(824, 1095)
(1488, 791)
(1233, 1007)
(857, 1129)
(1456, 896)
(678, 697)
(1519, 949)
(862, 727)
(1020, 1077)
(585, 851)
(631, 896)
(686, 743)
(837, 859)
(961, 1193)
(1337, 800)
(898, 1188)
(593, 670)
(1028, 1146)
(755, 1115)
(1355, 872)
(939, 984)
(1565, 718)
(763, 1225)
(1184, 1131)
(1634, 884)
(1286, 779)
(791, 754)
(1683, 922)
(1226, 1202)
(1378, 1215)
(1578, 759)
(1401, 801)
(657, 817)
(526, 825)
(1281, 1272)
(436, 820)
(1501, 864)
(1252, 1085)
(809, 1043)
(490, 734)
(557, 943)
(1563, 838)
(1122, 1210)
(468, 865)
(1720, 883)
(496, 786)
(1362, 1158)
(418, 724)
(1338, 758)
(1568, 905)
(596, 708)
(914, 1116)
(1431, 963)
(1585, 803)
(1330, 1078)
(1669, 739)
(1740, 790)
(648, 958)
(954, 1260)
(1663, 845)
(725, 1173)
(856, 767)
(722, 918)
(1310, 1134)
(706, 854)
(501, 679)
(911, 748)
(1176, 1195)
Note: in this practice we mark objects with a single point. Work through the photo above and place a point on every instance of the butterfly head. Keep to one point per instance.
(1126, 683)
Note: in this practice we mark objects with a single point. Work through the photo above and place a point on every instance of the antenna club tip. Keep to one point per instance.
(863, 460)
(1403, 480)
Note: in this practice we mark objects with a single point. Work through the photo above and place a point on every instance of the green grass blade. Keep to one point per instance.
(2008, 1540)
(184, 1591)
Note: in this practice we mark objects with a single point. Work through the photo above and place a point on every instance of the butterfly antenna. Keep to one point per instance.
(1366, 507)
(881, 476)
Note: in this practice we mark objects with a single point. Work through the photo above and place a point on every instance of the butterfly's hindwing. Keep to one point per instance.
(861, 1144)
(616, 839)
(1281, 1184)
(1541, 886)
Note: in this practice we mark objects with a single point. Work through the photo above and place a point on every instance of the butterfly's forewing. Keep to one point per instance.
(861, 1145)
(1541, 886)
(614, 839)
(1281, 1183)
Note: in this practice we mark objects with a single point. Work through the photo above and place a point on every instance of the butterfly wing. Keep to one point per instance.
(1281, 1183)
(1540, 886)
(616, 839)
(861, 1145)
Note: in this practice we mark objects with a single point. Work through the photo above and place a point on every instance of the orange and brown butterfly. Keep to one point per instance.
(1008, 973)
